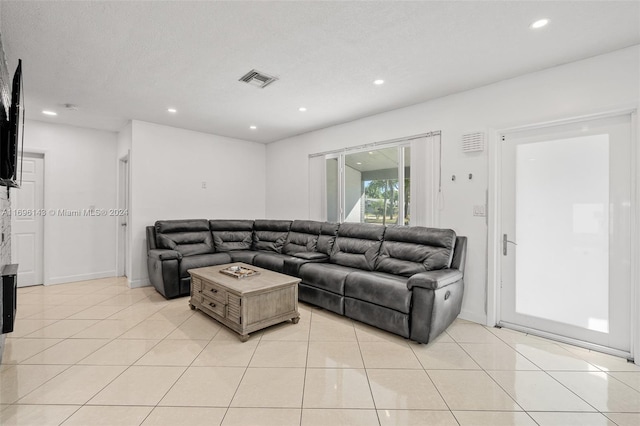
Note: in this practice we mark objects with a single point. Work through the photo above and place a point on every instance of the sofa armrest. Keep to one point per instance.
(164, 254)
(434, 279)
(313, 256)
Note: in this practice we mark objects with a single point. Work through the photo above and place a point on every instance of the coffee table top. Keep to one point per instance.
(266, 280)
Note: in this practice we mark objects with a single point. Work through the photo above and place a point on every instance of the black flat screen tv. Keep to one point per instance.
(12, 135)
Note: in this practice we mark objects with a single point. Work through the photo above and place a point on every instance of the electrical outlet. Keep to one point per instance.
(204, 185)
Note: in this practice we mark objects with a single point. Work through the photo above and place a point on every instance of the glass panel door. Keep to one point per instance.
(566, 198)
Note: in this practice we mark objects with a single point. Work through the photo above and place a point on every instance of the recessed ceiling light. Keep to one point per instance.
(378, 82)
(252, 127)
(359, 163)
(539, 24)
(302, 109)
(45, 112)
(172, 110)
(370, 152)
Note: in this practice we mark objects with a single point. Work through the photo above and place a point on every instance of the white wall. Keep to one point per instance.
(79, 172)
(168, 166)
(593, 85)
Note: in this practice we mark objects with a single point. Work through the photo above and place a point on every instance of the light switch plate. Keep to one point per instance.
(479, 210)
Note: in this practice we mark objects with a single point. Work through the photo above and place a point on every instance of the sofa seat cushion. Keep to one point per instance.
(202, 260)
(244, 256)
(379, 288)
(271, 261)
(313, 256)
(326, 276)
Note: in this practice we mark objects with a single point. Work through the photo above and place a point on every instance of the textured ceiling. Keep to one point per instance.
(132, 60)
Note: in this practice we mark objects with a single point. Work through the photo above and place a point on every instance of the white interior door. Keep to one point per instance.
(27, 222)
(566, 224)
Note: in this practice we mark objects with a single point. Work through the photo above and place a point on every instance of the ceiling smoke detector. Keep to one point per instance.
(258, 79)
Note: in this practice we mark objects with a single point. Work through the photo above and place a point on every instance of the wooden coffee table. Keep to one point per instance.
(245, 304)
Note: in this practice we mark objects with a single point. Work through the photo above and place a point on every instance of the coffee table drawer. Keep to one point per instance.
(214, 292)
(214, 306)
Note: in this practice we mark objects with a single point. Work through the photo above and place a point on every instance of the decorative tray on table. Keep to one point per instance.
(239, 272)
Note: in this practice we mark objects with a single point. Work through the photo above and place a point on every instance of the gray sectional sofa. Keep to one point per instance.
(404, 279)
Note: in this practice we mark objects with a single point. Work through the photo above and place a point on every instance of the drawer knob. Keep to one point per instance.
(214, 290)
(213, 305)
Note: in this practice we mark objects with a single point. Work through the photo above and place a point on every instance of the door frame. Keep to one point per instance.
(123, 246)
(494, 219)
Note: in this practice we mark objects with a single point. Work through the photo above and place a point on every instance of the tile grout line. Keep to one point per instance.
(182, 374)
(79, 406)
(306, 364)
(546, 371)
(241, 378)
(111, 381)
(366, 372)
(117, 376)
(493, 379)
(432, 382)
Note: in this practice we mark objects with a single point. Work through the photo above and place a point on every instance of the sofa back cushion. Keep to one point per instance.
(303, 237)
(408, 250)
(229, 235)
(327, 238)
(188, 237)
(270, 235)
(357, 245)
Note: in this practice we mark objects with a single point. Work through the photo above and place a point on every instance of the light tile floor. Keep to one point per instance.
(99, 353)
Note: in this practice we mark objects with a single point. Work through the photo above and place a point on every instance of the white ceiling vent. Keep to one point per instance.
(473, 142)
(258, 79)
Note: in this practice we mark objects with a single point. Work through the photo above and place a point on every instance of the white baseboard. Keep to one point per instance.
(480, 318)
(80, 277)
(144, 282)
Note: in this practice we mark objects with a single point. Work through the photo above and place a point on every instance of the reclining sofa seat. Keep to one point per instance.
(309, 241)
(399, 279)
(355, 249)
(383, 298)
(269, 238)
(234, 237)
(174, 247)
(258, 242)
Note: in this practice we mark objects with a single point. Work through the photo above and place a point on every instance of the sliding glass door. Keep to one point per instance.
(369, 186)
